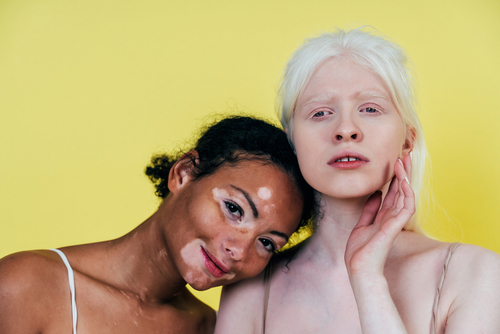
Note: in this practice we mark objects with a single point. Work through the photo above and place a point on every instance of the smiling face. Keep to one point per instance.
(346, 131)
(227, 225)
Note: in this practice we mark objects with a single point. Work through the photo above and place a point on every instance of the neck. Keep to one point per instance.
(138, 264)
(147, 267)
(338, 218)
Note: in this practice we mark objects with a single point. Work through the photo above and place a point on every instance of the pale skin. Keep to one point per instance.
(360, 272)
(137, 283)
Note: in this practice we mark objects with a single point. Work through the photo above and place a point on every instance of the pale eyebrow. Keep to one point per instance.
(371, 93)
(249, 199)
(365, 94)
(321, 98)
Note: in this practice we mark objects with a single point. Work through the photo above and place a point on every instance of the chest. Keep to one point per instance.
(312, 301)
(104, 310)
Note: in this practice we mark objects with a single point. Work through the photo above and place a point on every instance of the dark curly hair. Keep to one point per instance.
(233, 139)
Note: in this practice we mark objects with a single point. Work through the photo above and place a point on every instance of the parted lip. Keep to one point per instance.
(347, 154)
(219, 264)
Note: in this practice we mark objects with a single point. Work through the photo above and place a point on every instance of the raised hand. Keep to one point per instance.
(372, 237)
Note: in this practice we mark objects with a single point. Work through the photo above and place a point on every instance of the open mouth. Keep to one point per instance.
(346, 159)
(214, 267)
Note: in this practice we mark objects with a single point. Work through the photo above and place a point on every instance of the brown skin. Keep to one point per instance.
(136, 284)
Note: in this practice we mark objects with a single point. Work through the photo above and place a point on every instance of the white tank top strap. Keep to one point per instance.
(71, 279)
(434, 320)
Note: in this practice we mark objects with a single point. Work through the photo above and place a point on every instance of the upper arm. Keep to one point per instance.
(476, 305)
(241, 307)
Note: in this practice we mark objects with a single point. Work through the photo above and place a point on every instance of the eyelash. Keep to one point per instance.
(271, 243)
(365, 110)
(232, 208)
(315, 115)
(376, 110)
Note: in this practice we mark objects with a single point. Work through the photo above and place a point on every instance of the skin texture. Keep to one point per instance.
(136, 284)
(359, 272)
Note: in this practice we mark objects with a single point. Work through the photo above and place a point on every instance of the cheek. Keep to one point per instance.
(252, 267)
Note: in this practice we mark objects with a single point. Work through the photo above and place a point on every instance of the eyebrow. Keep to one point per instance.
(252, 205)
(358, 95)
(372, 93)
(321, 98)
(280, 234)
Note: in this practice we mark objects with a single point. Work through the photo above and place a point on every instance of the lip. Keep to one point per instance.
(348, 164)
(215, 267)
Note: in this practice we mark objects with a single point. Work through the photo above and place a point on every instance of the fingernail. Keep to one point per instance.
(401, 162)
(407, 180)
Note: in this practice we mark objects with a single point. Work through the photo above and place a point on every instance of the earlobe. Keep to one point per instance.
(182, 171)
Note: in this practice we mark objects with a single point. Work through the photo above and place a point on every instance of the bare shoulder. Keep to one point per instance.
(473, 291)
(467, 262)
(27, 272)
(473, 266)
(241, 306)
(24, 277)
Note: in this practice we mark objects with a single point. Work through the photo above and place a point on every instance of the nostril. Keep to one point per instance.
(229, 251)
(339, 137)
(353, 136)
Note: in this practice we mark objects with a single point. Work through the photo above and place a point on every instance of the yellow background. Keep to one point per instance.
(89, 90)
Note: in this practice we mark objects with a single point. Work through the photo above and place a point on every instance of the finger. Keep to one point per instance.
(407, 210)
(370, 210)
(402, 178)
(400, 170)
(392, 194)
(409, 198)
(407, 164)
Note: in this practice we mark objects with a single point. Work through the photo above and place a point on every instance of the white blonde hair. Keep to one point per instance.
(385, 58)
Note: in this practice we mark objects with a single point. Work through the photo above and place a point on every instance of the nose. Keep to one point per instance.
(237, 248)
(347, 130)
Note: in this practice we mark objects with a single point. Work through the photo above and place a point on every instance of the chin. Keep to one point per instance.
(199, 281)
(202, 287)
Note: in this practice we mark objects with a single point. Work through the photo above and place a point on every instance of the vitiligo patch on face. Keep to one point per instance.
(264, 193)
(219, 193)
(193, 260)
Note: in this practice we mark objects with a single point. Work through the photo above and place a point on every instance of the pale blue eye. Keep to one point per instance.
(320, 114)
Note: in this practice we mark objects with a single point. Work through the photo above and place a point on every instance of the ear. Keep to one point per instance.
(182, 172)
(411, 136)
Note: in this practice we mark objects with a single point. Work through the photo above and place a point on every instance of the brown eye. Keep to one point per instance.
(268, 245)
(234, 209)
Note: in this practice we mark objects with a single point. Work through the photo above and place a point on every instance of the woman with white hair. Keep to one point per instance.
(347, 103)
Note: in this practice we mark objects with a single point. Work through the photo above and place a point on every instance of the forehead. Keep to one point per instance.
(256, 174)
(340, 77)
